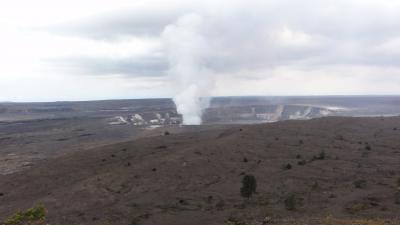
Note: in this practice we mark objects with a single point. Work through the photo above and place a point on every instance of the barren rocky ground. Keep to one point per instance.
(323, 171)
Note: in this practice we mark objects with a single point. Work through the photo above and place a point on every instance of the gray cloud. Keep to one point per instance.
(111, 26)
(254, 47)
(133, 67)
(254, 35)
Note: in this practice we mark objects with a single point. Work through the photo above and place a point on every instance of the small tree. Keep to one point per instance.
(249, 186)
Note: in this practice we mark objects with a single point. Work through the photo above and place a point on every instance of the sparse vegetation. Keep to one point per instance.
(360, 184)
(220, 204)
(357, 207)
(287, 166)
(339, 137)
(234, 221)
(315, 186)
(302, 162)
(194, 175)
(33, 216)
(397, 198)
(290, 202)
(249, 186)
(320, 156)
(162, 147)
(262, 201)
(335, 221)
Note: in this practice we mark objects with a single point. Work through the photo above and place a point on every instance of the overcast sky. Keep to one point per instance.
(102, 49)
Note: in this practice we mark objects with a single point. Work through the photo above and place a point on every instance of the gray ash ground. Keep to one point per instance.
(346, 168)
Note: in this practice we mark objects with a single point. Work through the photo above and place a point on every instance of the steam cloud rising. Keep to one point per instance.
(187, 52)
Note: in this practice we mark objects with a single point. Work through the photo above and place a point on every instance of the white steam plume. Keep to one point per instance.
(187, 49)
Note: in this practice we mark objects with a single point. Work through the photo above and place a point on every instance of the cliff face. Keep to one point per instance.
(221, 110)
(263, 113)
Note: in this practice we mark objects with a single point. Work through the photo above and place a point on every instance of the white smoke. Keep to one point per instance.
(187, 51)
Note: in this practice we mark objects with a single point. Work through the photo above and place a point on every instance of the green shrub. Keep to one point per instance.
(301, 162)
(33, 216)
(249, 186)
(397, 198)
(290, 202)
(320, 156)
(287, 166)
(357, 207)
(315, 186)
(360, 184)
(220, 204)
(339, 137)
(234, 221)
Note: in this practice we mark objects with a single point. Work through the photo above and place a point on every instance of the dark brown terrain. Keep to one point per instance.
(340, 169)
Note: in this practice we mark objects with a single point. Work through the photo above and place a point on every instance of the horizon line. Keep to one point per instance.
(222, 96)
